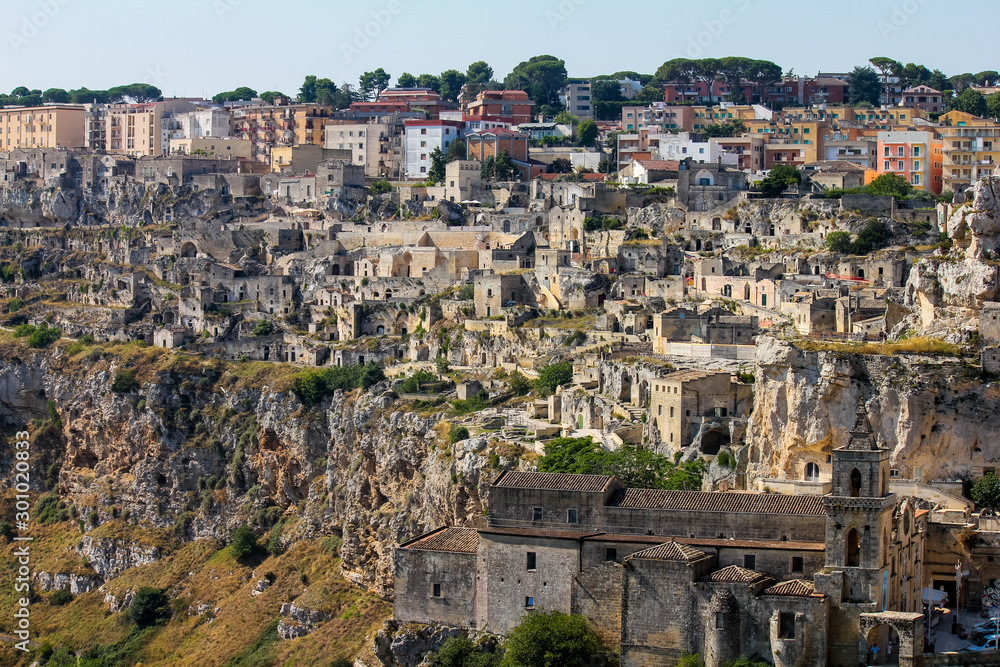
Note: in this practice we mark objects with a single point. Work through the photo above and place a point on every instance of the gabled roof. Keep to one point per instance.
(660, 165)
(456, 540)
(799, 588)
(670, 551)
(549, 481)
(734, 574)
(732, 502)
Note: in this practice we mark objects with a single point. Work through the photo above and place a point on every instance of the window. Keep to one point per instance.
(532, 560)
(529, 602)
(572, 516)
(749, 561)
(536, 513)
(797, 564)
(437, 591)
(720, 621)
(610, 554)
(786, 625)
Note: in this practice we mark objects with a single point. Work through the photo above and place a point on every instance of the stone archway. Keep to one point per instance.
(906, 628)
(189, 250)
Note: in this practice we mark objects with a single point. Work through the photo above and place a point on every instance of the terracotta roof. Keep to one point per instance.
(734, 574)
(549, 481)
(660, 165)
(458, 540)
(670, 551)
(799, 588)
(736, 502)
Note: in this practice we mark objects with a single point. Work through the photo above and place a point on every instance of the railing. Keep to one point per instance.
(492, 522)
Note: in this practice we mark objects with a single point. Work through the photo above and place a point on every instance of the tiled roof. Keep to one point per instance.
(660, 165)
(549, 481)
(670, 551)
(799, 588)
(700, 501)
(734, 574)
(459, 540)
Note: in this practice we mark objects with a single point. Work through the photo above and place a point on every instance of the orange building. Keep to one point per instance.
(917, 156)
(512, 106)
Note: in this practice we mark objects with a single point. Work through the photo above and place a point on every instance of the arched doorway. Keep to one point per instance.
(189, 250)
(335, 270)
(852, 549)
(812, 472)
(882, 643)
(855, 483)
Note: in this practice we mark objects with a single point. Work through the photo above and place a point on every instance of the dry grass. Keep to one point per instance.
(916, 345)
(199, 573)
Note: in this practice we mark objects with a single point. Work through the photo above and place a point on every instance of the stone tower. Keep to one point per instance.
(858, 529)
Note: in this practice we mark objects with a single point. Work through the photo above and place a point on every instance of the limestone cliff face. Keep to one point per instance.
(934, 415)
(194, 447)
(953, 286)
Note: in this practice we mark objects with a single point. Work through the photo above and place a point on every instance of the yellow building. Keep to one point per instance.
(267, 127)
(54, 126)
(971, 148)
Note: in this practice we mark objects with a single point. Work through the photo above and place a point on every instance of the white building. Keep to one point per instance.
(689, 145)
(422, 137)
(210, 122)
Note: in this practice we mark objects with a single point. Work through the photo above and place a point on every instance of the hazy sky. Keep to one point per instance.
(195, 47)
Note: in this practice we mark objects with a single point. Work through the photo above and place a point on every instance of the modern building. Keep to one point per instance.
(50, 126)
(914, 155)
(377, 146)
(212, 147)
(970, 147)
(924, 97)
(512, 106)
(577, 100)
(268, 126)
(213, 121)
(422, 137)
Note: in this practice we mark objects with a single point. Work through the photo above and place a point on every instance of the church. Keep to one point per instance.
(796, 580)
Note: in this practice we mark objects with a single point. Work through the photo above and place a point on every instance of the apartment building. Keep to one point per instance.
(510, 106)
(212, 147)
(51, 126)
(577, 99)
(657, 116)
(406, 100)
(422, 137)
(970, 149)
(914, 155)
(135, 129)
(376, 146)
(924, 97)
(206, 122)
(266, 127)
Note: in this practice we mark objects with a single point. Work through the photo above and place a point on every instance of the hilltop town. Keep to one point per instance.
(367, 321)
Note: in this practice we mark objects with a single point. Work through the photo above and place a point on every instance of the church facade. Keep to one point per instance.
(796, 580)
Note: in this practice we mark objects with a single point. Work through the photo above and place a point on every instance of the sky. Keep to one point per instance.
(202, 47)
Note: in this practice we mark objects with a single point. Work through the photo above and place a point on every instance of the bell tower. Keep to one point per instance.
(859, 512)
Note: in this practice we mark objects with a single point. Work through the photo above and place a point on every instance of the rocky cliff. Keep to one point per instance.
(201, 447)
(932, 412)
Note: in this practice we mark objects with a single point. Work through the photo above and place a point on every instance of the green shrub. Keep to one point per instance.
(518, 383)
(332, 545)
(61, 597)
(459, 434)
(838, 241)
(149, 607)
(469, 405)
(263, 328)
(553, 376)
(124, 382)
(553, 639)
(51, 509)
(15, 305)
(313, 386)
(244, 545)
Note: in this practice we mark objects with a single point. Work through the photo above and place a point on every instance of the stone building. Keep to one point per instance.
(791, 579)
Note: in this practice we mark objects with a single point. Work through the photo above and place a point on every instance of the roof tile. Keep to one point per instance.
(737, 502)
(459, 540)
(799, 588)
(734, 574)
(670, 551)
(549, 481)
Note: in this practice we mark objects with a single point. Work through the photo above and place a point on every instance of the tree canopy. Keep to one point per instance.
(554, 640)
(863, 85)
(971, 101)
(586, 132)
(541, 77)
(779, 179)
(370, 84)
(241, 93)
(554, 375)
(636, 467)
(986, 491)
